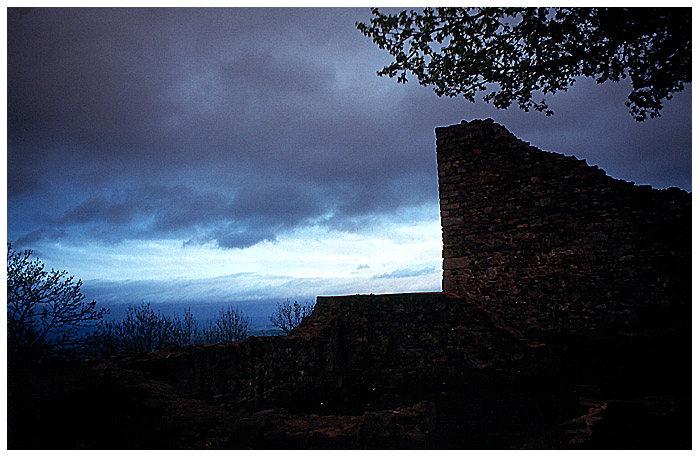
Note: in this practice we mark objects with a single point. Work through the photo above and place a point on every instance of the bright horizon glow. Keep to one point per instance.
(391, 256)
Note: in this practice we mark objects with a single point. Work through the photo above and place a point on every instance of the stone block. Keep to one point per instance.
(456, 263)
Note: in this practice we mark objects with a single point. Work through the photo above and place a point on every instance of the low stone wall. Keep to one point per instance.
(388, 371)
(550, 242)
(349, 346)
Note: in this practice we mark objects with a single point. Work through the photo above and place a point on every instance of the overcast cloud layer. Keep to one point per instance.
(231, 127)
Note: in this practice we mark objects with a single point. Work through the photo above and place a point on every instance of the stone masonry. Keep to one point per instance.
(553, 243)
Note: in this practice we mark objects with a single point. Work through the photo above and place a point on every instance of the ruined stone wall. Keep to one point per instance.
(533, 242)
(350, 346)
(550, 242)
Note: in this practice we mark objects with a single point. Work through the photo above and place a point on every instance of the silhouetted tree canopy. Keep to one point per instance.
(229, 325)
(288, 316)
(47, 315)
(145, 330)
(514, 52)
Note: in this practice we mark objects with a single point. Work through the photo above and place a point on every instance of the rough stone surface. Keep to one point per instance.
(553, 242)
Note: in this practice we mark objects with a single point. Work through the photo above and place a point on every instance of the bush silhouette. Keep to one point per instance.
(288, 316)
(145, 330)
(229, 325)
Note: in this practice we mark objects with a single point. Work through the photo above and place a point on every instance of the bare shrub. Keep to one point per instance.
(142, 330)
(229, 325)
(289, 315)
(185, 330)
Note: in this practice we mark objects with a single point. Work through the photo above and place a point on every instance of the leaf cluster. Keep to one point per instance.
(512, 53)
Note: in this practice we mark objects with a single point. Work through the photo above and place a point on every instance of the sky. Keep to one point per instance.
(216, 156)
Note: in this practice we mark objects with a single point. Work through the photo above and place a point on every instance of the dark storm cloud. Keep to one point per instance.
(232, 125)
(178, 211)
(133, 96)
(264, 75)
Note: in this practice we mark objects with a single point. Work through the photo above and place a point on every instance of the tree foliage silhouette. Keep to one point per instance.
(289, 315)
(229, 325)
(514, 52)
(142, 330)
(146, 330)
(46, 313)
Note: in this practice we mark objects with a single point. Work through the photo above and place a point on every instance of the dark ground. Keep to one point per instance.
(627, 391)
